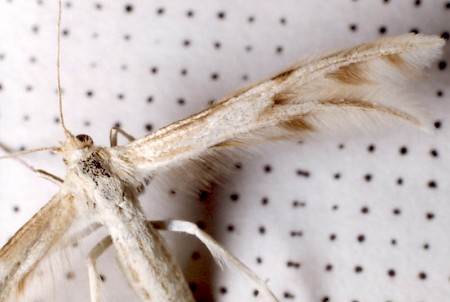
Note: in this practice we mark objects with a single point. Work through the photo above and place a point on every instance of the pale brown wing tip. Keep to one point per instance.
(425, 41)
(430, 41)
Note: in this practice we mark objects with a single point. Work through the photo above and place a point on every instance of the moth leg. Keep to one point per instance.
(220, 254)
(41, 173)
(115, 131)
(49, 176)
(94, 276)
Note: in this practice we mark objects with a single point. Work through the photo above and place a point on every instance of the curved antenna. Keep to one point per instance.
(40, 172)
(10, 151)
(58, 75)
(21, 153)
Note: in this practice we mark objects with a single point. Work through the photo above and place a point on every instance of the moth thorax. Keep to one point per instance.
(84, 140)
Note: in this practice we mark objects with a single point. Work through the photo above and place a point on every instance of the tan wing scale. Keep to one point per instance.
(350, 87)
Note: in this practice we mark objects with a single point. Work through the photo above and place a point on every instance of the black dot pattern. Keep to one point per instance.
(369, 209)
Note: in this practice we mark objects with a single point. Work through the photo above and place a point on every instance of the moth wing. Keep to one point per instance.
(349, 87)
(31, 243)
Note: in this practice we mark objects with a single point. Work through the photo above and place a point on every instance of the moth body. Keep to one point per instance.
(141, 252)
(348, 88)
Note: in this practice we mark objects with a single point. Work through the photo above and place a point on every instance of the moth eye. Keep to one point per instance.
(86, 140)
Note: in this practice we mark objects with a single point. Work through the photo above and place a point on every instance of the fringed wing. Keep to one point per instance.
(349, 87)
(23, 252)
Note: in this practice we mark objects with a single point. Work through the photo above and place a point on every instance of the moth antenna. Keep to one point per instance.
(40, 172)
(26, 152)
(10, 151)
(58, 74)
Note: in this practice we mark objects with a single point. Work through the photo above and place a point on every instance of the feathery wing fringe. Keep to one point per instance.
(350, 87)
(32, 242)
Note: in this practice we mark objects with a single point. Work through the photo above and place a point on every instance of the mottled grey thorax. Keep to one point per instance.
(110, 196)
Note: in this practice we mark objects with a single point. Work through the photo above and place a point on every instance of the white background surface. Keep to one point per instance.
(398, 234)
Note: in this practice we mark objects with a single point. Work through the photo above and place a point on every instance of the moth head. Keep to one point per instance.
(73, 148)
(84, 141)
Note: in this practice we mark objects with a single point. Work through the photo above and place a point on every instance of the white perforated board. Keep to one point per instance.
(361, 218)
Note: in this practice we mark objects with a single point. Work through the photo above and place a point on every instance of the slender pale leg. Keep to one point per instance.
(221, 255)
(114, 132)
(94, 276)
(42, 173)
